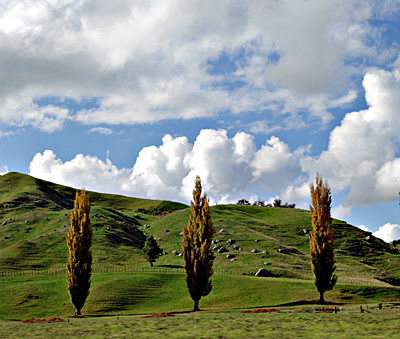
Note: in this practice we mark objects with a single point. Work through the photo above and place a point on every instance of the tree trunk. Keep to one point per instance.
(196, 306)
(77, 312)
(321, 298)
(151, 264)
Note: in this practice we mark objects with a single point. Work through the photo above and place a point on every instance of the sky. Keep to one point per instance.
(256, 97)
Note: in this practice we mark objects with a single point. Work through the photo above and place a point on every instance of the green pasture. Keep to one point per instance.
(348, 323)
(160, 292)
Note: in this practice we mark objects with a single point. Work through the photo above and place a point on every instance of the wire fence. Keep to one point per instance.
(160, 269)
(125, 269)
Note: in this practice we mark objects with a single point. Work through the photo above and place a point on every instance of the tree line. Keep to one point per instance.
(276, 203)
(196, 245)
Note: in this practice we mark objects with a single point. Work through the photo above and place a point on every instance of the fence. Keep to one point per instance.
(109, 270)
(158, 269)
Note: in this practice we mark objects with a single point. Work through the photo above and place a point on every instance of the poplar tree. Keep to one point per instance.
(151, 250)
(196, 247)
(321, 241)
(79, 240)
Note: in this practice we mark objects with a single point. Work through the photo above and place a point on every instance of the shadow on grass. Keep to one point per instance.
(308, 302)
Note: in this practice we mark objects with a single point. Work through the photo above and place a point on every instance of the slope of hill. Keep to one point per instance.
(35, 216)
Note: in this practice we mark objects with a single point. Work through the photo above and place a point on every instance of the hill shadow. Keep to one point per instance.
(308, 302)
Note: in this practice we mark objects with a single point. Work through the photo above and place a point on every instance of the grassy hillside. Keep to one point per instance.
(40, 212)
(36, 214)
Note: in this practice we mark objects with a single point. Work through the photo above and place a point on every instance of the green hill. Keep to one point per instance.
(35, 217)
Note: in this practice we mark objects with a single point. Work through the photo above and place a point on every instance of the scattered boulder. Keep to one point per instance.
(257, 240)
(254, 250)
(7, 222)
(230, 241)
(222, 231)
(222, 250)
(217, 247)
(230, 256)
(304, 232)
(232, 259)
(283, 251)
(237, 248)
(166, 231)
(181, 234)
(368, 238)
(262, 272)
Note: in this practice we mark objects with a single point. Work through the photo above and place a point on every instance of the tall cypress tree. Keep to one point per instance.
(196, 247)
(321, 241)
(79, 240)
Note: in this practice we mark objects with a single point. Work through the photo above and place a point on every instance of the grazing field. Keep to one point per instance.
(34, 218)
(347, 323)
(153, 292)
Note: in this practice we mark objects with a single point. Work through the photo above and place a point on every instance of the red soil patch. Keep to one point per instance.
(43, 320)
(159, 315)
(325, 309)
(262, 310)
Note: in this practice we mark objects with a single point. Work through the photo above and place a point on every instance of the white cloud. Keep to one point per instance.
(340, 212)
(3, 169)
(361, 156)
(230, 168)
(101, 130)
(86, 172)
(151, 61)
(388, 232)
(364, 228)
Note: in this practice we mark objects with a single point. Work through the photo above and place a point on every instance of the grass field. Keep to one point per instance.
(348, 323)
(146, 293)
(33, 254)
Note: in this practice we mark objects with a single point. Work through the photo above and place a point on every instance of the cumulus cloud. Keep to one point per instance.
(150, 61)
(361, 155)
(3, 169)
(230, 168)
(88, 172)
(388, 232)
(364, 228)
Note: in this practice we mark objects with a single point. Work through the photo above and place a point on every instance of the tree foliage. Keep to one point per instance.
(321, 241)
(79, 240)
(151, 250)
(196, 247)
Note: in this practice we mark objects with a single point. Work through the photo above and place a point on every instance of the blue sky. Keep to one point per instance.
(256, 97)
